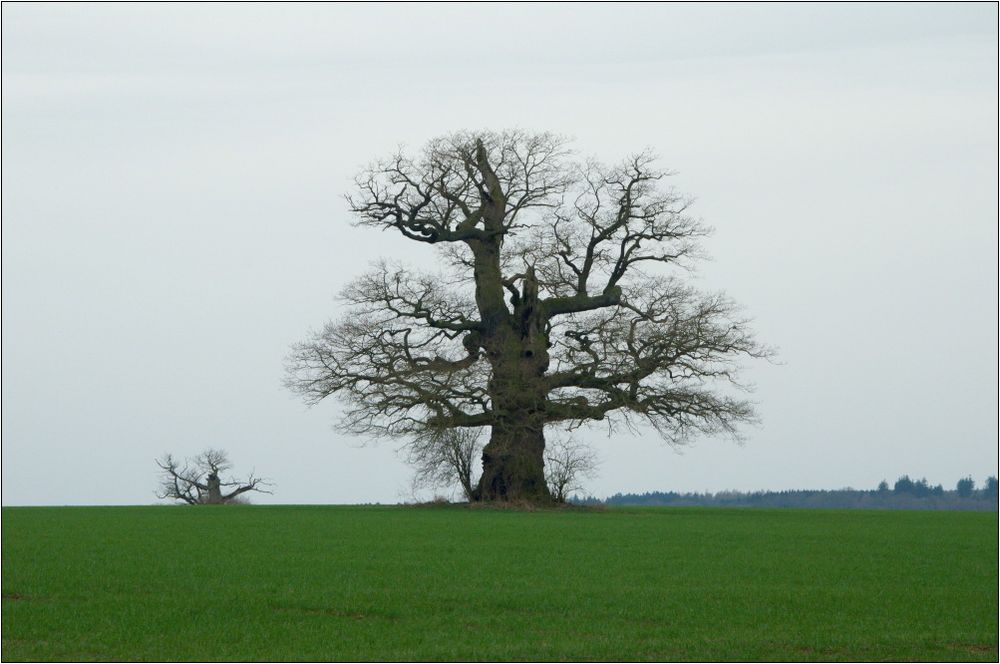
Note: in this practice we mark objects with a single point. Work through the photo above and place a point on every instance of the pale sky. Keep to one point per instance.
(173, 219)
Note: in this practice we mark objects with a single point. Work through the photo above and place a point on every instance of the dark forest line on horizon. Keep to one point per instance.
(905, 494)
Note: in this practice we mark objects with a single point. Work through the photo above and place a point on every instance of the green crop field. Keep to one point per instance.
(452, 583)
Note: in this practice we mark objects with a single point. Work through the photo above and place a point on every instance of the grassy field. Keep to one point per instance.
(402, 583)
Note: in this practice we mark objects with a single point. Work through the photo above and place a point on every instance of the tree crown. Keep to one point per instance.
(560, 297)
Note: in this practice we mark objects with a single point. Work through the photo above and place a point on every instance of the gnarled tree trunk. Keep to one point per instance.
(514, 458)
(513, 464)
(214, 489)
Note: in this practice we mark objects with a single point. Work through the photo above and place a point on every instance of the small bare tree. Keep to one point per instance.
(198, 481)
(445, 457)
(567, 463)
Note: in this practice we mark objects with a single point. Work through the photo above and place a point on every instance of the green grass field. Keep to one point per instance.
(452, 583)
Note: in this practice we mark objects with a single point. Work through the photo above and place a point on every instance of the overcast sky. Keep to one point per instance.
(173, 219)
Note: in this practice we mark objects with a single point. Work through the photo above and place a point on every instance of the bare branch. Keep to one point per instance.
(463, 188)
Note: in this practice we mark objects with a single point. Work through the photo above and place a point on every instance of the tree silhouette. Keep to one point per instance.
(199, 481)
(559, 303)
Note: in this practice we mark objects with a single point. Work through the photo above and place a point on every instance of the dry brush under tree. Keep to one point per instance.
(559, 305)
(449, 458)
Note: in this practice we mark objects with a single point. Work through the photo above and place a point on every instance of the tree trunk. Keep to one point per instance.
(516, 346)
(513, 460)
(513, 463)
(214, 489)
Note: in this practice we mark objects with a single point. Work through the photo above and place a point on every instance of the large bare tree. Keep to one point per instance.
(560, 304)
(199, 481)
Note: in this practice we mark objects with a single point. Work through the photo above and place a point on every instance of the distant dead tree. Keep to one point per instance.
(567, 463)
(198, 481)
(561, 301)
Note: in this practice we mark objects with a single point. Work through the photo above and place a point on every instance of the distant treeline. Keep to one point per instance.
(905, 494)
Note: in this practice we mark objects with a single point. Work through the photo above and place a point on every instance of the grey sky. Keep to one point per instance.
(173, 218)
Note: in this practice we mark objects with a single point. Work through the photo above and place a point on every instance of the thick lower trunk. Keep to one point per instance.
(214, 489)
(513, 465)
(517, 348)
